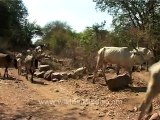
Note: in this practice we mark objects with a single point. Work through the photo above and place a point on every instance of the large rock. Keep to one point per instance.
(47, 59)
(71, 74)
(79, 72)
(119, 82)
(55, 60)
(39, 74)
(54, 80)
(43, 68)
(59, 75)
(47, 75)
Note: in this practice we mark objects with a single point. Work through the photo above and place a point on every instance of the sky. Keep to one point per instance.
(78, 14)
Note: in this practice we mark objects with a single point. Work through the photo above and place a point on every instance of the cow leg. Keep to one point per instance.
(32, 72)
(19, 70)
(94, 76)
(147, 65)
(5, 72)
(147, 103)
(103, 72)
(26, 73)
(129, 69)
(117, 70)
(96, 70)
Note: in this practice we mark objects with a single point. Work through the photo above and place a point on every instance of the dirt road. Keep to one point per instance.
(69, 99)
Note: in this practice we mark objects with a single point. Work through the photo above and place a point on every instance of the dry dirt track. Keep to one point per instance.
(69, 100)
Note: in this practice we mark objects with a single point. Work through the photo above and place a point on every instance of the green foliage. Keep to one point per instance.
(4, 18)
(137, 13)
(31, 30)
(92, 38)
(134, 21)
(87, 39)
(57, 34)
(16, 31)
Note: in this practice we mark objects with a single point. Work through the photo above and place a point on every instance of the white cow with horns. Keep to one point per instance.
(121, 56)
(147, 54)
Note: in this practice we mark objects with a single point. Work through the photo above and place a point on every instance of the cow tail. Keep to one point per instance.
(101, 57)
(102, 54)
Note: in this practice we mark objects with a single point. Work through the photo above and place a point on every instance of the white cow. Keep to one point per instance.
(117, 55)
(153, 89)
(147, 54)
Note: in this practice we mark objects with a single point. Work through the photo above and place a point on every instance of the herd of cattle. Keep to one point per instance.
(17, 60)
(121, 56)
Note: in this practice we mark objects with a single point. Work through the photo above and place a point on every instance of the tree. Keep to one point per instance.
(31, 30)
(4, 18)
(142, 15)
(87, 39)
(57, 34)
(14, 26)
(15, 17)
(137, 13)
(97, 28)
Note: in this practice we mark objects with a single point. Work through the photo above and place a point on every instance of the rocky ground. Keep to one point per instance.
(70, 99)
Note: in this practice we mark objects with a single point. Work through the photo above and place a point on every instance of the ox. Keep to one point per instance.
(31, 63)
(6, 61)
(152, 89)
(147, 54)
(117, 55)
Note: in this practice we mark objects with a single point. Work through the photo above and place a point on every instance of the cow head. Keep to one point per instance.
(137, 57)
